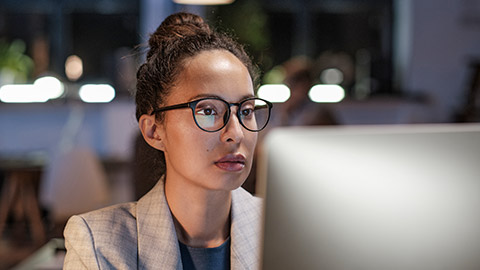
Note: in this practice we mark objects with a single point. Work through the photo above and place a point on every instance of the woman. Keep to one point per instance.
(197, 216)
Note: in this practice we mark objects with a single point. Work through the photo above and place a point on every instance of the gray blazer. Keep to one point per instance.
(141, 235)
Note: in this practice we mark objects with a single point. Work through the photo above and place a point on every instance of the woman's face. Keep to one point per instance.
(212, 160)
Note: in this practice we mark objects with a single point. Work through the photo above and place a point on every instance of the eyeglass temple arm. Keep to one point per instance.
(173, 107)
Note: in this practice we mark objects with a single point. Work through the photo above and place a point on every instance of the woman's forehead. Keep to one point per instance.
(213, 60)
(216, 73)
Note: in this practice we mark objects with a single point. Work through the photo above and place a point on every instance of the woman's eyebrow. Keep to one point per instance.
(247, 96)
(207, 95)
(204, 96)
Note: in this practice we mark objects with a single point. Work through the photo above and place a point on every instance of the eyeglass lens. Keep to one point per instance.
(213, 114)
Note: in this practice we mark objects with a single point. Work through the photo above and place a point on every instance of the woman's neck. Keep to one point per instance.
(201, 217)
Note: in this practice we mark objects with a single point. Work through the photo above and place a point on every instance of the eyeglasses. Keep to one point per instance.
(212, 114)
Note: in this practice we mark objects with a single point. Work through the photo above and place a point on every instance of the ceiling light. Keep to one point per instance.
(20, 93)
(204, 2)
(326, 93)
(41, 90)
(49, 86)
(274, 92)
(96, 93)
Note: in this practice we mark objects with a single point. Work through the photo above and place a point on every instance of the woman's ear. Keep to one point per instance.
(152, 132)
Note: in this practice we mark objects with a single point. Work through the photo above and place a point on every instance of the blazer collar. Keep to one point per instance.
(245, 230)
(157, 241)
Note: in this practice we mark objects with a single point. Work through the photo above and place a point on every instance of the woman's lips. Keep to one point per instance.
(232, 162)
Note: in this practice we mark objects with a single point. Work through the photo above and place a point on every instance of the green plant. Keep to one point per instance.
(249, 22)
(15, 65)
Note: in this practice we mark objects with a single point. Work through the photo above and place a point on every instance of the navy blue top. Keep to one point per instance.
(206, 258)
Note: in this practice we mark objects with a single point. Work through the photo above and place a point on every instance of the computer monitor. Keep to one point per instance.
(371, 197)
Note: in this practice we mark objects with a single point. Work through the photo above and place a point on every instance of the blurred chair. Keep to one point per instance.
(19, 198)
(49, 257)
(75, 182)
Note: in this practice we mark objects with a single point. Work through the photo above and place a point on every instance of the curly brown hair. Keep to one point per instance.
(179, 37)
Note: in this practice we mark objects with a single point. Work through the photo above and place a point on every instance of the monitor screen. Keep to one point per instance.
(371, 197)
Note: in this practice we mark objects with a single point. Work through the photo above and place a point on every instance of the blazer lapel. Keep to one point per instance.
(245, 230)
(157, 241)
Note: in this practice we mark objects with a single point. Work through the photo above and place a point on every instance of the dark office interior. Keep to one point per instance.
(400, 62)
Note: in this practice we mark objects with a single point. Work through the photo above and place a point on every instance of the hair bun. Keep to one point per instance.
(182, 25)
(175, 27)
(182, 18)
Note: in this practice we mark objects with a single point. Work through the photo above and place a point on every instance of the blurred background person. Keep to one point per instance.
(299, 109)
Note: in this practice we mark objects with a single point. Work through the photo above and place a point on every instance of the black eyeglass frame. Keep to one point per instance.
(193, 104)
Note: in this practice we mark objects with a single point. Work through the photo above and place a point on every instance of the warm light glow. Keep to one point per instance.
(73, 67)
(204, 2)
(49, 86)
(274, 92)
(332, 76)
(41, 90)
(97, 93)
(326, 93)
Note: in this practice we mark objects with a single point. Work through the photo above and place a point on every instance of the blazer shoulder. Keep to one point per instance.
(92, 235)
(124, 212)
(114, 223)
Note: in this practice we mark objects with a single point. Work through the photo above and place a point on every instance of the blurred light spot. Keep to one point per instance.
(203, 2)
(326, 93)
(49, 86)
(20, 93)
(41, 90)
(73, 67)
(332, 76)
(97, 93)
(274, 92)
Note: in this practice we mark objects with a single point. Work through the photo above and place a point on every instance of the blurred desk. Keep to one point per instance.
(19, 194)
(48, 257)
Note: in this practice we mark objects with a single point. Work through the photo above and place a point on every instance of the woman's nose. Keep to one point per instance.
(233, 131)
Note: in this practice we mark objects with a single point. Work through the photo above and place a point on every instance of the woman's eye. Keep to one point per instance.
(247, 112)
(206, 111)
